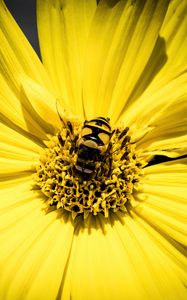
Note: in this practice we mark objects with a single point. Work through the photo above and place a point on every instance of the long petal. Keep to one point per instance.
(163, 199)
(63, 29)
(16, 54)
(98, 266)
(17, 142)
(18, 153)
(121, 40)
(162, 276)
(16, 115)
(161, 112)
(174, 33)
(120, 259)
(41, 104)
(34, 245)
(170, 49)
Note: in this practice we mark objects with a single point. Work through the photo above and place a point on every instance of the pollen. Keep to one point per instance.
(111, 188)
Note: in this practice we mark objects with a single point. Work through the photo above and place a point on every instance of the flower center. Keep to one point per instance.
(89, 171)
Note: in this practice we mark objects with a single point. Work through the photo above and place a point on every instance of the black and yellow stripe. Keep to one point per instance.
(97, 130)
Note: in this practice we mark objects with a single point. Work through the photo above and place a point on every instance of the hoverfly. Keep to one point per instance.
(92, 146)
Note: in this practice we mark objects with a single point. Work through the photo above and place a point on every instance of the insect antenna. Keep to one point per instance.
(59, 114)
(67, 125)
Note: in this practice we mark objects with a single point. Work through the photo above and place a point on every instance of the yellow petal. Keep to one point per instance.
(169, 54)
(171, 47)
(18, 153)
(35, 250)
(163, 199)
(121, 40)
(161, 111)
(11, 138)
(16, 54)
(10, 182)
(16, 115)
(34, 245)
(63, 29)
(160, 275)
(15, 211)
(174, 253)
(15, 192)
(99, 266)
(171, 147)
(120, 261)
(16, 166)
(174, 33)
(160, 94)
(53, 249)
(42, 105)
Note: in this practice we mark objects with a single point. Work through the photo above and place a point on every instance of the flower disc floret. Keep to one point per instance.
(111, 188)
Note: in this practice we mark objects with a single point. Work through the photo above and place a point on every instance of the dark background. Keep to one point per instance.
(24, 11)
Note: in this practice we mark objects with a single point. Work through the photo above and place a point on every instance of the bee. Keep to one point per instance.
(92, 146)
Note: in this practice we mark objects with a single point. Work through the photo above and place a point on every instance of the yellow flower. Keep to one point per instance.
(125, 60)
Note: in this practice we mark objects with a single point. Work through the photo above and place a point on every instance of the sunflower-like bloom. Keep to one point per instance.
(109, 95)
